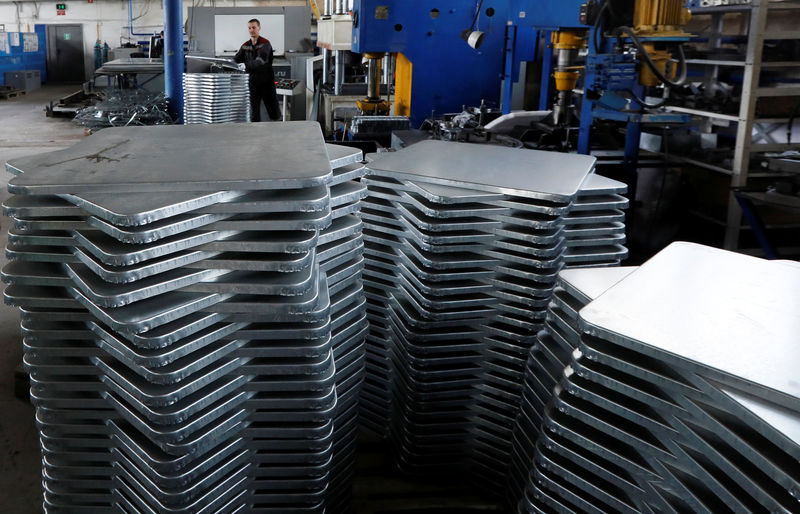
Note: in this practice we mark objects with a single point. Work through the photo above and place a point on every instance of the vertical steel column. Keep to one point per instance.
(326, 57)
(747, 113)
(173, 57)
(585, 133)
(547, 70)
(508, 75)
(338, 70)
(633, 136)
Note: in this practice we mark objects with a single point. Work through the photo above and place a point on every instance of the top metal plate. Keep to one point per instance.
(341, 156)
(180, 158)
(731, 316)
(589, 283)
(527, 173)
(599, 185)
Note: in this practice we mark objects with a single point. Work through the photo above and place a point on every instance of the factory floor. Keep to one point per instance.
(24, 130)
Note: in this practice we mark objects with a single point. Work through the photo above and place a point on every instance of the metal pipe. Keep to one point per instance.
(130, 22)
(562, 107)
(328, 8)
(341, 7)
(373, 80)
(338, 72)
(173, 57)
(326, 56)
(566, 57)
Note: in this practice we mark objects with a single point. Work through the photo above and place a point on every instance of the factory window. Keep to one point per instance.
(434, 13)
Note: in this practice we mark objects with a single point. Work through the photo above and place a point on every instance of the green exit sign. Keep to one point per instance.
(61, 7)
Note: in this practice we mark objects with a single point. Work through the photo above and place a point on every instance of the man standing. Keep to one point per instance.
(255, 57)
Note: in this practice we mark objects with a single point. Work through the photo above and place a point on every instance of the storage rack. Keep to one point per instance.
(752, 132)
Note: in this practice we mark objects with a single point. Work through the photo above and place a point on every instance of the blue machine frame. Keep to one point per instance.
(447, 73)
(533, 21)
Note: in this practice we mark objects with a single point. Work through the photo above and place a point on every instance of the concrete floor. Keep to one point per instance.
(24, 130)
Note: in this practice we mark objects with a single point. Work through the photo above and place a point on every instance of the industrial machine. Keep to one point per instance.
(605, 56)
(447, 53)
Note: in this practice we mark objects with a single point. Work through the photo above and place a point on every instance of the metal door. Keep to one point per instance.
(65, 61)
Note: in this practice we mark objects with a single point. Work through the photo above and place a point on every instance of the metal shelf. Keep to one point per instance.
(716, 62)
(771, 120)
(773, 6)
(774, 147)
(764, 92)
(740, 64)
(752, 65)
(693, 162)
(704, 114)
(782, 34)
(779, 64)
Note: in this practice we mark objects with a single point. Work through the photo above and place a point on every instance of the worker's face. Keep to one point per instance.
(253, 29)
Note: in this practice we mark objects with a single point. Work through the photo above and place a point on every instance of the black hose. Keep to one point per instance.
(477, 13)
(643, 103)
(681, 59)
(597, 23)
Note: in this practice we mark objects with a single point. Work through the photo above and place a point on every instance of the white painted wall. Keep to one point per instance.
(107, 20)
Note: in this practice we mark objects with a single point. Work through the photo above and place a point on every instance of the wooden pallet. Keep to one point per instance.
(7, 92)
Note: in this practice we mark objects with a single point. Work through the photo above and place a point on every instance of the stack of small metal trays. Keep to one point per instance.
(181, 324)
(216, 98)
(420, 240)
(596, 225)
(682, 395)
(454, 249)
(341, 253)
(548, 358)
(376, 395)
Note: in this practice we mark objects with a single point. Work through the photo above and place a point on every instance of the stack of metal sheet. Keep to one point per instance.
(548, 358)
(682, 395)
(461, 259)
(216, 98)
(596, 224)
(341, 254)
(422, 251)
(193, 330)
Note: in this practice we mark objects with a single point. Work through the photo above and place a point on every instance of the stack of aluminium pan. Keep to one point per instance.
(463, 246)
(216, 98)
(427, 320)
(548, 358)
(595, 227)
(682, 395)
(194, 325)
(341, 254)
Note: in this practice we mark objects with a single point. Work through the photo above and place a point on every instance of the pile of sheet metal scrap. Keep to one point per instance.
(681, 395)
(194, 331)
(464, 243)
(216, 98)
(124, 108)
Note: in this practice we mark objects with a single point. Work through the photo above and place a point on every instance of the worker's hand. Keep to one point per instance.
(241, 66)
